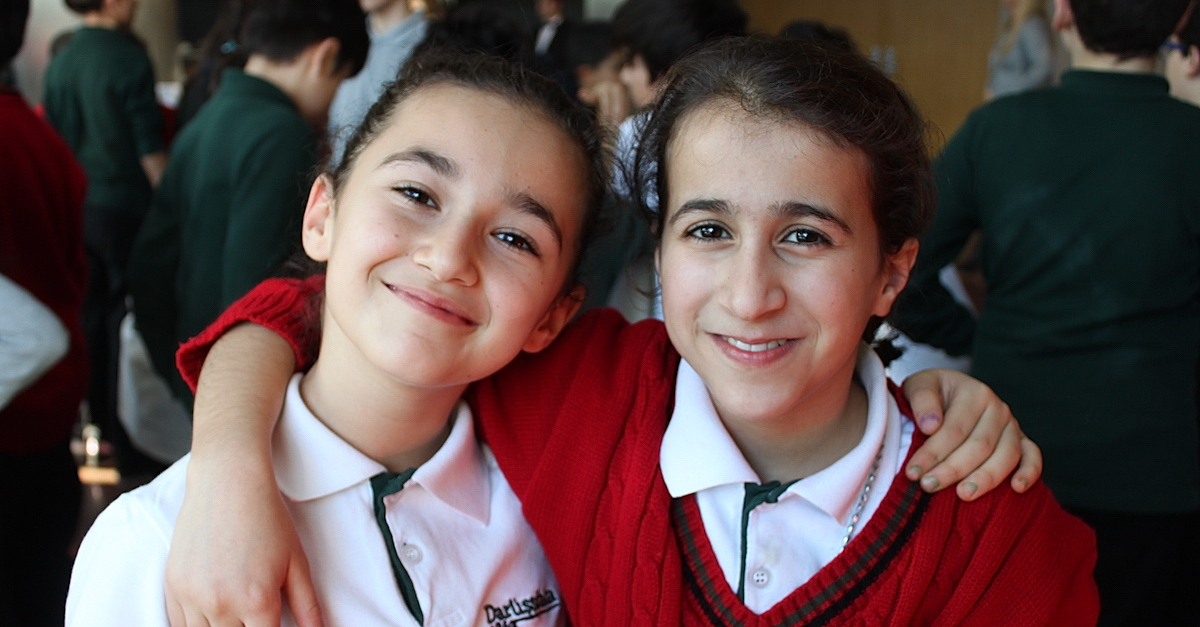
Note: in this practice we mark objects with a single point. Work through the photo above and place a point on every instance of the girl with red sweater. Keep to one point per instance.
(764, 478)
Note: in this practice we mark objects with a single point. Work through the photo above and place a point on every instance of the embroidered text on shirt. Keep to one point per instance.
(517, 610)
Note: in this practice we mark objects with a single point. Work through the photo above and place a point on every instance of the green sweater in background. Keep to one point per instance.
(226, 214)
(1088, 199)
(99, 95)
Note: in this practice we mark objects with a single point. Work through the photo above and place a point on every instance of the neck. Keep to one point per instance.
(289, 77)
(1188, 91)
(398, 425)
(388, 17)
(807, 440)
(100, 19)
(1084, 59)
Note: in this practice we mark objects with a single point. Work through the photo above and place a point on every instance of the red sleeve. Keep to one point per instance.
(289, 307)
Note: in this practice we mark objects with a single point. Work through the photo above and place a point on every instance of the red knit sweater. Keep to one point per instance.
(577, 430)
(41, 249)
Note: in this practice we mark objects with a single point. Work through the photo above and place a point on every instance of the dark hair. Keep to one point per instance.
(1189, 32)
(83, 7)
(663, 31)
(1129, 28)
(12, 29)
(281, 29)
(834, 91)
(482, 28)
(510, 80)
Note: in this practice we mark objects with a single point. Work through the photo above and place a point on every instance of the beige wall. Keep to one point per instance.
(941, 46)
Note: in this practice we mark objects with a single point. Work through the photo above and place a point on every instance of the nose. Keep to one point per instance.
(448, 252)
(750, 285)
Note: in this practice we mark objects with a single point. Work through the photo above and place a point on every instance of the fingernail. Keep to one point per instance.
(969, 489)
(928, 421)
(929, 483)
(1024, 483)
(913, 472)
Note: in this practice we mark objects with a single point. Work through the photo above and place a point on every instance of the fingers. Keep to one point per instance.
(995, 468)
(958, 452)
(1030, 469)
(301, 595)
(924, 393)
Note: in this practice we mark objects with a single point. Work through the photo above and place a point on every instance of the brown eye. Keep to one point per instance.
(514, 240)
(806, 236)
(708, 231)
(416, 195)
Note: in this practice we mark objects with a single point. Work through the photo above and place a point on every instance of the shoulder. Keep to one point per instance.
(604, 335)
(120, 562)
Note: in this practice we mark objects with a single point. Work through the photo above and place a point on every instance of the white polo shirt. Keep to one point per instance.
(456, 524)
(788, 541)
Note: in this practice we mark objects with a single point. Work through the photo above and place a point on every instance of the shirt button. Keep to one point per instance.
(761, 577)
(412, 553)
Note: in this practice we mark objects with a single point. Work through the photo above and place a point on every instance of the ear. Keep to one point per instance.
(556, 318)
(316, 231)
(1191, 62)
(896, 270)
(1064, 17)
(325, 56)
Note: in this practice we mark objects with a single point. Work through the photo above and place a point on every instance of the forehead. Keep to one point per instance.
(722, 152)
(489, 149)
(491, 137)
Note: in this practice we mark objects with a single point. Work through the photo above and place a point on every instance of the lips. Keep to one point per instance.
(433, 305)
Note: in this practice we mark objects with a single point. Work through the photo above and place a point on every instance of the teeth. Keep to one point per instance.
(754, 348)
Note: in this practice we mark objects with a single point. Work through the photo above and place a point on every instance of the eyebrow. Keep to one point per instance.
(441, 165)
(528, 204)
(790, 209)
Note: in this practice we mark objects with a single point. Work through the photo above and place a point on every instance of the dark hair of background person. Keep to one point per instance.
(1129, 28)
(836, 92)
(812, 30)
(13, 15)
(479, 27)
(84, 7)
(280, 30)
(277, 29)
(663, 31)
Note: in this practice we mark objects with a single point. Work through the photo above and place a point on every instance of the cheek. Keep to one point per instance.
(842, 295)
(687, 284)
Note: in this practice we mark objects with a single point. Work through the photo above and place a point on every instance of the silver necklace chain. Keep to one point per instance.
(862, 499)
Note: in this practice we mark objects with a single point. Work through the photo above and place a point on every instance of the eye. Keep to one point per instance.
(517, 241)
(415, 195)
(805, 235)
(708, 231)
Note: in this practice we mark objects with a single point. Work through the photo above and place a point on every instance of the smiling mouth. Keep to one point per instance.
(753, 348)
(433, 305)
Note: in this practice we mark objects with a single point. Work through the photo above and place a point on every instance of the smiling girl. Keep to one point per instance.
(449, 232)
(763, 479)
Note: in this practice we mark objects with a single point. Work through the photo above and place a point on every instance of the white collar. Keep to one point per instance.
(311, 461)
(698, 453)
